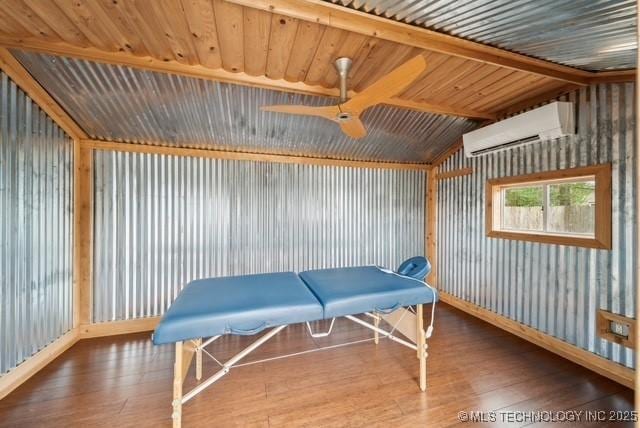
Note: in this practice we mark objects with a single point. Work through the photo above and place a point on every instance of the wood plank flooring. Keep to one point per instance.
(125, 381)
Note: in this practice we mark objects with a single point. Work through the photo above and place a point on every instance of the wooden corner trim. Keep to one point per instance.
(432, 225)
(591, 361)
(83, 234)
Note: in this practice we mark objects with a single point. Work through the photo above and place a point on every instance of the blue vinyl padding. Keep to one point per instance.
(355, 290)
(237, 305)
(251, 303)
(416, 267)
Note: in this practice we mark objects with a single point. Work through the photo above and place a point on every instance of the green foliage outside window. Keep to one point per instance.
(572, 194)
(524, 197)
(562, 194)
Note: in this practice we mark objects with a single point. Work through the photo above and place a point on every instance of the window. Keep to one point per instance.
(566, 207)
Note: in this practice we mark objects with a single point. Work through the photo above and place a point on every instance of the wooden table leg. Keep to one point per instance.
(376, 335)
(198, 360)
(177, 387)
(420, 344)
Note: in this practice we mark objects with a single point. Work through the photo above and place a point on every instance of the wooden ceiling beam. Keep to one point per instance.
(245, 156)
(363, 23)
(21, 77)
(617, 76)
(221, 75)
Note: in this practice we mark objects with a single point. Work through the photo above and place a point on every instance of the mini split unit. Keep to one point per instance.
(545, 123)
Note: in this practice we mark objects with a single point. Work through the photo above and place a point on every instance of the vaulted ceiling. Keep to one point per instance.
(123, 104)
(288, 46)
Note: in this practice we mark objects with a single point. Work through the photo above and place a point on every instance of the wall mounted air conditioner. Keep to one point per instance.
(544, 123)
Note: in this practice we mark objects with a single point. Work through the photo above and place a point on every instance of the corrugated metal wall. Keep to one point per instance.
(161, 221)
(36, 189)
(556, 289)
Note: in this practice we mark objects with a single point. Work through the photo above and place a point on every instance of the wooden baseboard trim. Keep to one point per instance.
(16, 377)
(598, 364)
(113, 328)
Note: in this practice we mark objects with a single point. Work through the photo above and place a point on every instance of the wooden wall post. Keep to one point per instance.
(83, 233)
(432, 218)
(637, 237)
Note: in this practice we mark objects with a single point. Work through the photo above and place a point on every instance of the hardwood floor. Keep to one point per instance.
(125, 381)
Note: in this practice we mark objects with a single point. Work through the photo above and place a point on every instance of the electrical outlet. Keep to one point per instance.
(616, 328)
(619, 329)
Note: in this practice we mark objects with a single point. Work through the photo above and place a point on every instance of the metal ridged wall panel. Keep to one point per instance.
(126, 104)
(36, 189)
(582, 33)
(161, 221)
(555, 289)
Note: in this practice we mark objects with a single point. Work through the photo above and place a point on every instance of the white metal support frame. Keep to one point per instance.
(318, 335)
(382, 332)
(183, 359)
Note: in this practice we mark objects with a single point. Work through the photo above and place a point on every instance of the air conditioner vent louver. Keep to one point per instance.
(548, 122)
(508, 145)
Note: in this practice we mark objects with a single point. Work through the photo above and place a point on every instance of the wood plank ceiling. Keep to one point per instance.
(244, 41)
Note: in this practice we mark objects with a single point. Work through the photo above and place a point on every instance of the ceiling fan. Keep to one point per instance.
(347, 112)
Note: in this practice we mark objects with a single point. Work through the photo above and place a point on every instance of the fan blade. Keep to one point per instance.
(353, 127)
(328, 112)
(387, 86)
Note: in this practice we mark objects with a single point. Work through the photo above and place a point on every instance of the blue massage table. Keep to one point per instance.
(248, 304)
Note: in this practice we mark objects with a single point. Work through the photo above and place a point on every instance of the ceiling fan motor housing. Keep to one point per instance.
(343, 65)
(347, 112)
(343, 116)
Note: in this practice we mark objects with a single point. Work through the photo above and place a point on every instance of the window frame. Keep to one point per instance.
(602, 233)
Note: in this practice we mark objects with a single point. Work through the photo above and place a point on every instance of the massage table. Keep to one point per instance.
(207, 309)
